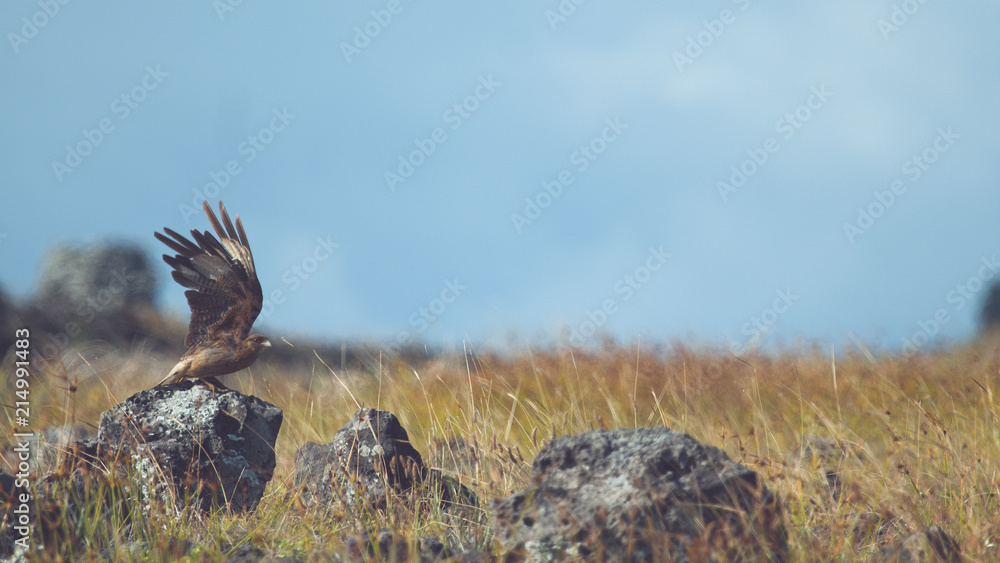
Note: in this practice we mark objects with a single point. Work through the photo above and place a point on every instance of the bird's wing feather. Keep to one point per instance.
(224, 294)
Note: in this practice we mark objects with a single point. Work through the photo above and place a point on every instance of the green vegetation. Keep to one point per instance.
(920, 438)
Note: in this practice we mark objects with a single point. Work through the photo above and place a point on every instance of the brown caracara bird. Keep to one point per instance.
(224, 296)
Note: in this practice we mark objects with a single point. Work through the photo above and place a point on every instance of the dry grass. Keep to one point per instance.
(913, 441)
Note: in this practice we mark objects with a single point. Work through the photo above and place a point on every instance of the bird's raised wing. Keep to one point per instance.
(223, 291)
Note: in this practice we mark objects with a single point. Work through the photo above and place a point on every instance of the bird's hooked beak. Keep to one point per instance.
(267, 343)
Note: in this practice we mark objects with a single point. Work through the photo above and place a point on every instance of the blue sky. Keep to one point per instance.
(733, 172)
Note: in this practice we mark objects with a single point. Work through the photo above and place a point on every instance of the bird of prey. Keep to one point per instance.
(224, 296)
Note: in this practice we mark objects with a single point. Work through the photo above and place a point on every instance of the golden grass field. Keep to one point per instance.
(920, 437)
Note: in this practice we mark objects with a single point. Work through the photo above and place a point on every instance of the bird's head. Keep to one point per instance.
(257, 342)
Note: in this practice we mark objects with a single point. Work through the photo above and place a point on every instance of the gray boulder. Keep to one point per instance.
(14, 527)
(102, 293)
(820, 459)
(640, 495)
(389, 546)
(50, 448)
(368, 458)
(11, 319)
(189, 442)
(59, 513)
(989, 314)
(929, 545)
(102, 280)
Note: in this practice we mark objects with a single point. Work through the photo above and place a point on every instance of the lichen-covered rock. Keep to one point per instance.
(930, 545)
(49, 448)
(820, 459)
(191, 443)
(867, 532)
(368, 458)
(647, 494)
(50, 517)
(389, 546)
(13, 528)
